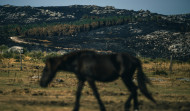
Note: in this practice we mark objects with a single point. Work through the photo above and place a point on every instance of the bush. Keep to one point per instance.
(188, 61)
(1, 58)
(146, 60)
(160, 60)
(36, 55)
(48, 56)
(8, 55)
(3, 48)
(17, 57)
(160, 72)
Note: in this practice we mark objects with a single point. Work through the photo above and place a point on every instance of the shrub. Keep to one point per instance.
(36, 55)
(1, 58)
(160, 72)
(17, 57)
(188, 61)
(3, 48)
(146, 61)
(49, 55)
(8, 55)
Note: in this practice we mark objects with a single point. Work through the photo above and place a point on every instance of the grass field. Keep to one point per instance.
(20, 90)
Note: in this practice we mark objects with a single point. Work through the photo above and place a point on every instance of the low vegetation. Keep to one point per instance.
(19, 89)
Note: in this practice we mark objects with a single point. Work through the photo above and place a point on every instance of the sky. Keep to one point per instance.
(166, 7)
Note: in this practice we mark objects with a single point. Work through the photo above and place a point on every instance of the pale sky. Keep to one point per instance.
(167, 7)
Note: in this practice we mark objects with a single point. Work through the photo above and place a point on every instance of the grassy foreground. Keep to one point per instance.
(20, 90)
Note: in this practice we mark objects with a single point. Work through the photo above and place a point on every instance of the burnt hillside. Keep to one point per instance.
(101, 28)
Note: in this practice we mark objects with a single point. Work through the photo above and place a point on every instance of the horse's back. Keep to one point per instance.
(104, 67)
(98, 66)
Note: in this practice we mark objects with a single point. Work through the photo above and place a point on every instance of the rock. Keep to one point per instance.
(59, 80)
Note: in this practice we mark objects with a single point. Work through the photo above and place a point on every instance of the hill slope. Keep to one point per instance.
(138, 32)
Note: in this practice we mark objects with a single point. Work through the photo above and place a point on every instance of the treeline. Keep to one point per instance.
(88, 23)
(85, 24)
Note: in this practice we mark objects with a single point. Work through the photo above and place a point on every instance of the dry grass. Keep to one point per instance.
(20, 90)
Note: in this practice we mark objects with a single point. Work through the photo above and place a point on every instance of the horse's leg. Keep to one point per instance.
(133, 89)
(93, 86)
(128, 103)
(78, 95)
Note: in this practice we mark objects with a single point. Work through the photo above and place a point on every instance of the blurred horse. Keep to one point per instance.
(91, 66)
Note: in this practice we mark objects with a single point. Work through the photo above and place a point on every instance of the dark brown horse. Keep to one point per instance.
(91, 66)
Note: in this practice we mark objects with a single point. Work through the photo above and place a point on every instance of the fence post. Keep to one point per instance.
(20, 61)
(8, 68)
(171, 64)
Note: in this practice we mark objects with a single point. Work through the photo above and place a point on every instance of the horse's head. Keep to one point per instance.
(56, 64)
(49, 71)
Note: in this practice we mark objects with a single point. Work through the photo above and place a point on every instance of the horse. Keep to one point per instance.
(91, 66)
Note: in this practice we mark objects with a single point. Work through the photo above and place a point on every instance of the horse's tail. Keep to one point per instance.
(142, 80)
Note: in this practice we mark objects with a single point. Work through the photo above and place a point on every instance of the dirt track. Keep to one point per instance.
(20, 40)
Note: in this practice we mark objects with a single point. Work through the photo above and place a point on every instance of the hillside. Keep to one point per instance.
(101, 28)
(26, 14)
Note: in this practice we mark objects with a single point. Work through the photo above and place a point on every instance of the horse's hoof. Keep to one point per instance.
(103, 109)
(75, 109)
